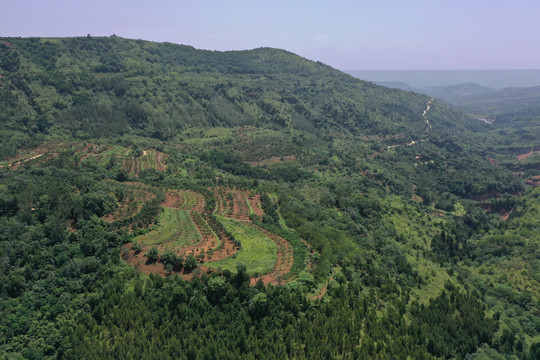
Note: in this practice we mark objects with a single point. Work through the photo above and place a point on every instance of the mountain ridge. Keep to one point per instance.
(361, 105)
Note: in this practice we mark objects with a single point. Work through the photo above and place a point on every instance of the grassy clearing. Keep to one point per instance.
(175, 229)
(258, 253)
(435, 276)
(165, 231)
(248, 204)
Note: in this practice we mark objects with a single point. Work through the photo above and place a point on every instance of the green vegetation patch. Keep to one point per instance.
(175, 228)
(258, 252)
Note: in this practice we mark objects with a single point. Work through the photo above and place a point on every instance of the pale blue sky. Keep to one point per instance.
(346, 34)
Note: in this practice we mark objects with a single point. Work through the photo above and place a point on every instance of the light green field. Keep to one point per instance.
(175, 229)
(258, 253)
(435, 276)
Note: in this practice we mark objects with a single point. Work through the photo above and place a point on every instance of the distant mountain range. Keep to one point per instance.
(497, 79)
(516, 105)
(474, 98)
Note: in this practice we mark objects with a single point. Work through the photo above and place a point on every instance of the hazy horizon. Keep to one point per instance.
(496, 79)
(347, 34)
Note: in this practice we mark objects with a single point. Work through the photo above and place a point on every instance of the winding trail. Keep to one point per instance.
(425, 113)
(412, 142)
(322, 292)
(429, 127)
(16, 166)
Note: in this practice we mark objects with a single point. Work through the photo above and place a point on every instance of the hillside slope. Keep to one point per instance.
(162, 201)
(76, 85)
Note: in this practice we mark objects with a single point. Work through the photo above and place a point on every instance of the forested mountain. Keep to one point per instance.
(163, 201)
(158, 90)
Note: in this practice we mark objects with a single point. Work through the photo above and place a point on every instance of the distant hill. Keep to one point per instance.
(395, 85)
(74, 86)
(501, 99)
(456, 93)
(497, 79)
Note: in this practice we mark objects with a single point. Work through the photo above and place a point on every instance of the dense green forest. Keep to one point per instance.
(159, 201)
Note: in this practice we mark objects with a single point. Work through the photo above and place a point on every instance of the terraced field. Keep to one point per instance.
(136, 195)
(259, 252)
(175, 230)
(108, 156)
(219, 239)
(150, 159)
(284, 261)
(38, 155)
(184, 199)
(237, 204)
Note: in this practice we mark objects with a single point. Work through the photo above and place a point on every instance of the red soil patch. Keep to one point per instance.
(173, 200)
(219, 201)
(208, 244)
(92, 150)
(231, 203)
(415, 196)
(125, 165)
(150, 159)
(492, 161)
(488, 207)
(234, 203)
(132, 165)
(199, 206)
(139, 262)
(209, 241)
(179, 199)
(255, 203)
(506, 216)
(40, 159)
(534, 181)
(524, 156)
(284, 260)
(240, 206)
(224, 202)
